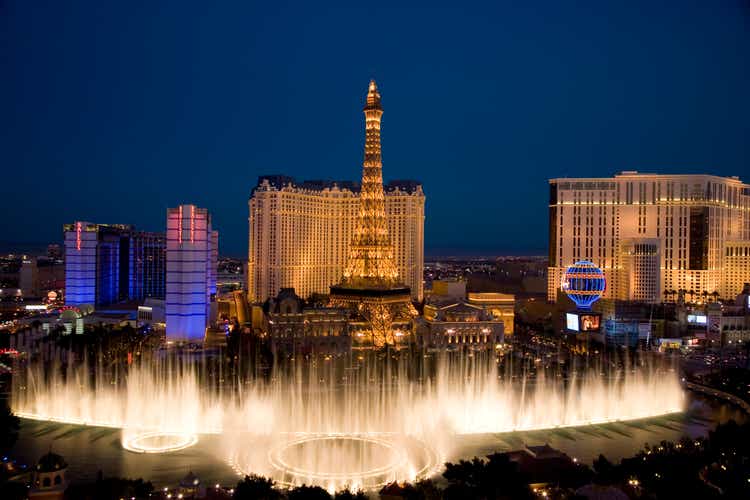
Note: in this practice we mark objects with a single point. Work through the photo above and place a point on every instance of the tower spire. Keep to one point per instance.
(371, 253)
(373, 97)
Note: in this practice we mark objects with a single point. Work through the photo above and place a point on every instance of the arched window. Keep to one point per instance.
(46, 482)
(57, 479)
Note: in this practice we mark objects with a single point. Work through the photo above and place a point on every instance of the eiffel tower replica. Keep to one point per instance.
(370, 288)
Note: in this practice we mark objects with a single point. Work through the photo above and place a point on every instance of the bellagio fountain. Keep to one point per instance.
(336, 424)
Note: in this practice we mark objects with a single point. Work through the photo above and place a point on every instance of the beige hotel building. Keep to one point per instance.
(300, 232)
(653, 235)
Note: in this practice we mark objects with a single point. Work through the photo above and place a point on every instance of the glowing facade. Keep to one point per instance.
(736, 268)
(192, 248)
(627, 223)
(81, 241)
(301, 234)
(371, 259)
(640, 276)
(456, 324)
(109, 263)
(371, 285)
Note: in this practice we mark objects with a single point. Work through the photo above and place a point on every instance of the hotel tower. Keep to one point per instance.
(110, 263)
(300, 233)
(192, 248)
(657, 237)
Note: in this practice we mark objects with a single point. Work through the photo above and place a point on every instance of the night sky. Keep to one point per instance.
(113, 113)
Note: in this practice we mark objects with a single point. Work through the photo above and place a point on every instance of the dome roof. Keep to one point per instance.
(70, 314)
(51, 462)
(190, 481)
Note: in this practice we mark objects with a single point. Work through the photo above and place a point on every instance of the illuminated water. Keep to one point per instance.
(385, 422)
(90, 449)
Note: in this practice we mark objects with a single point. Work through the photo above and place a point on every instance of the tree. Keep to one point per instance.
(110, 488)
(423, 490)
(12, 490)
(605, 471)
(305, 492)
(254, 487)
(9, 426)
(497, 477)
(348, 495)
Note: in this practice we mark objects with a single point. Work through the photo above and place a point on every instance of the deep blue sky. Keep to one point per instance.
(112, 113)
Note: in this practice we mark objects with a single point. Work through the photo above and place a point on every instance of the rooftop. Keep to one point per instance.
(51, 462)
(282, 181)
(648, 175)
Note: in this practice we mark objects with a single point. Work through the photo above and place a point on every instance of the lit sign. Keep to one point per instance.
(697, 319)
(589, 322)
(179, 224)
(36, 307)
(571, 321)
(583, 321)
(78, 235)
(192, 223)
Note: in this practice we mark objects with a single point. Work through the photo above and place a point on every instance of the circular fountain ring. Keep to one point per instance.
(159, 442)
(279, 457)
(385, 460)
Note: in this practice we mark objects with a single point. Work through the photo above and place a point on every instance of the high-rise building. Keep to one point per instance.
(640, 277)
(110, 263)
(655, 236)
(300, 234)
(148, 265)
(736, 268)
(371, 285)
(192, 247)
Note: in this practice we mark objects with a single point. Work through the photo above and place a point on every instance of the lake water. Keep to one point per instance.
(90, 449)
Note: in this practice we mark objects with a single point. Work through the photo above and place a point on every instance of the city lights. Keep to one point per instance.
(346, 339)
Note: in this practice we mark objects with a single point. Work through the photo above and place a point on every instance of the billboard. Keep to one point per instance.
(589, 322)
(697, 319)
(571, 321)
(580, 321)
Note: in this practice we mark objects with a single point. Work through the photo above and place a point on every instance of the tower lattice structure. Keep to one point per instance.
(370, 285)
(371, 253)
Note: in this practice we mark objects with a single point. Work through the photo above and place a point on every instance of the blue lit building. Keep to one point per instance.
(147, 265)
(110, 263)
(192, 248)
(81, 240)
